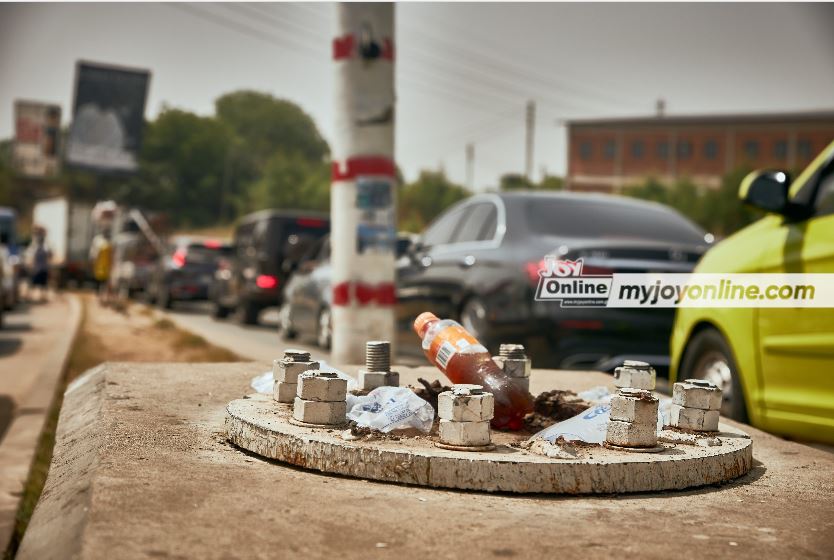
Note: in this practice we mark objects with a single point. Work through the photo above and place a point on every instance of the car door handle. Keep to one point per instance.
(467, 261)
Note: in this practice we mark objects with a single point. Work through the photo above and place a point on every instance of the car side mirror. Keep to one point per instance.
(767, 190)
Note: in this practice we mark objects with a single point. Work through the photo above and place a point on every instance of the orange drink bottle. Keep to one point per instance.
(463, 359)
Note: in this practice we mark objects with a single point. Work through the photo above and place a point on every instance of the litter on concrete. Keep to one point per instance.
(390, 408)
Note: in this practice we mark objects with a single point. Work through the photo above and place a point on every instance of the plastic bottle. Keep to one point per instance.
(463, 359)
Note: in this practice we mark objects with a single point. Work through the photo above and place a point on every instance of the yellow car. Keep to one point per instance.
(775, 365)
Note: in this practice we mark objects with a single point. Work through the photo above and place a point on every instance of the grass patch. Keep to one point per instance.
(165, 324)
(83, 355)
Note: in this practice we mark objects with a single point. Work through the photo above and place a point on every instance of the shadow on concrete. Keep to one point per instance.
(7, 412)
(9, 345)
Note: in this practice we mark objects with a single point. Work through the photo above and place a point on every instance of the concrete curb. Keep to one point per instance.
(19, 445)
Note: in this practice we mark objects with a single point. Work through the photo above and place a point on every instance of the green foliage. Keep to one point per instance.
(717, 210)
(267, 125)
(292, 181)
(421, 201)
(517, 182)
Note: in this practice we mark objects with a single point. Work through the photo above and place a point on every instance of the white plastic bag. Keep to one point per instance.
(263, 383)
(590, 426)
(391, 408)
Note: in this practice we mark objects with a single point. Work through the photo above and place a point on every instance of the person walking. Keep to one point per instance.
(38, 258)
(101, 254)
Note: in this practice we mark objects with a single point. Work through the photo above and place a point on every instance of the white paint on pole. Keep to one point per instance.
(363, 195)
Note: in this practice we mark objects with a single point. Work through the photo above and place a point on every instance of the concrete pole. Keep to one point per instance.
(470, 166)
(363, 194)
(530, 122)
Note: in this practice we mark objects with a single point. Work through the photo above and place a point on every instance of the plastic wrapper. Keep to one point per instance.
(590, 425)
(263, 383)
(391, 408)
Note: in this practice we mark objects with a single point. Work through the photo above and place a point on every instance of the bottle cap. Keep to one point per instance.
(422, 320)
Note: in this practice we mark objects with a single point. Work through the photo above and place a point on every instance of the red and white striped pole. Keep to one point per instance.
(363, 194)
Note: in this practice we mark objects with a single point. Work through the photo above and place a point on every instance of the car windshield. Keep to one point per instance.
(207, 253)
(603, 219)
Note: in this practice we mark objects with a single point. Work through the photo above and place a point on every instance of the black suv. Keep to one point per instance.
(266, 249)
(185, 271)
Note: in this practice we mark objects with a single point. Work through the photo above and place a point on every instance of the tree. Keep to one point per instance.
(518, 182)
(423, 200)
(292, 181)
(267, 125)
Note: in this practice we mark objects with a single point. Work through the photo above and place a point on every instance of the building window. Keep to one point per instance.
(803, 148)
(780, 149)
(751, 149)
(663, 149)
(711, 149)
(610, 149)
(586, 150)
(684, 149)
(637, 149)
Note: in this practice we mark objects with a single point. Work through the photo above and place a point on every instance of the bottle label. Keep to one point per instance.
(449, 342)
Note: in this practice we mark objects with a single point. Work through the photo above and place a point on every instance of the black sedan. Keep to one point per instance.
(185, 271)
(479, 263)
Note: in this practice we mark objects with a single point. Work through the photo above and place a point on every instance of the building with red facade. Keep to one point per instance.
(607, 154)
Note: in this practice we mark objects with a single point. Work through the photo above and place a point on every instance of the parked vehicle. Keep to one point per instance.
(774, 365)
(69, 230)
(479, 262)
(9, 258)
(307, 295)
(266, 249)
(186, 270)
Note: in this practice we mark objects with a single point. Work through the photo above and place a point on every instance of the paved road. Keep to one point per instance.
(260, 342)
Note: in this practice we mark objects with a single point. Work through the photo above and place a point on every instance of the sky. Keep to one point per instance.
(465, 71)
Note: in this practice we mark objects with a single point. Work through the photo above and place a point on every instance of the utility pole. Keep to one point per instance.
(470, 166)
(530, 123)
(362, 196)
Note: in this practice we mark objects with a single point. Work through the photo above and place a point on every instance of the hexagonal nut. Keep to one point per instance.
(696, 393)
(317, 385)
(629, 434)
(522, 382)
(637, 406)
(284, 392)
(465, 408)
(288, 371)
(467, 389)
(370, 380)
(320, 412)
(695, 419)
(464, 433)
(638, 378)
(515, 367)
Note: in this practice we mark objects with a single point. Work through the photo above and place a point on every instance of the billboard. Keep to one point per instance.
(37, 131)
(107, 119)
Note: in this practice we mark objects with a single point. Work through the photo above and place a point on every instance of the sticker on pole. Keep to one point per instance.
(375, 232)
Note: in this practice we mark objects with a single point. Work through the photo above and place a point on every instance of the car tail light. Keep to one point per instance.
(178, 258)
(532, 270)
(310, 222)
(596, 270)
(266, 282)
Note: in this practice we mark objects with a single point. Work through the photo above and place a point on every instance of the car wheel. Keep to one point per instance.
(473, 317)
(248, 313)
(288, 332)
(709, 356)
(220, 311)
(324, 333)
(164, 300)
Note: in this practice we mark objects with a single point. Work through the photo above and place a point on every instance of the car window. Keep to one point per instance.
(600, 219)
(479, 223)
(443, 230)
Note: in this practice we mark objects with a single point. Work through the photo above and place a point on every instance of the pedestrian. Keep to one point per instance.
(101, 255)
(38, 258)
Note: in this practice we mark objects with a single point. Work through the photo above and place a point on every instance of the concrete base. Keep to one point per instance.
(142, 469)
(260, 425)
